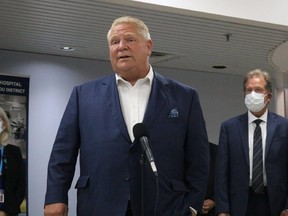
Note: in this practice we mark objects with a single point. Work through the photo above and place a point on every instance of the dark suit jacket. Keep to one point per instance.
(110, 171)
(211, 181)
(14, 179)
(232, 169)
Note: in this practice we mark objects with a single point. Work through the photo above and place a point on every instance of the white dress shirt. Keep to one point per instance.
(134, 99)
(251, 128)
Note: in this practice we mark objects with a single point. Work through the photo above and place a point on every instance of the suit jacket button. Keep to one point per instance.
(127, 178)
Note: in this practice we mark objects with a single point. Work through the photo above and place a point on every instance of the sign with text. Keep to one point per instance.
(14, 100)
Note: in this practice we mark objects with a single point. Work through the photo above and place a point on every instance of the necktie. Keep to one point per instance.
(257, 172)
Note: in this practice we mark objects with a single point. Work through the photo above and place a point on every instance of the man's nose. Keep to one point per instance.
(122, 44)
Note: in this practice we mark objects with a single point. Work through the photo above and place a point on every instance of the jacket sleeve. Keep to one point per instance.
(197, 157)
(61, 166)
(222, 175)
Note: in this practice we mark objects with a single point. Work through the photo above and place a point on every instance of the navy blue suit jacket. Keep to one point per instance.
(110, 171)
(232, 167)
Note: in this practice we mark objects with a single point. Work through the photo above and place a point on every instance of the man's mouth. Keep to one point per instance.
(123, 57)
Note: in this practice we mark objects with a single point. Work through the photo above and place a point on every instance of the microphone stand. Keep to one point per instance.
(142, 183)
(142, 162)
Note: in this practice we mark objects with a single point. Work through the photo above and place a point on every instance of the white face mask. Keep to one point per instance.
(255, 101)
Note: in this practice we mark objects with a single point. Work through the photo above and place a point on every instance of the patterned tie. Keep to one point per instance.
(257, 173)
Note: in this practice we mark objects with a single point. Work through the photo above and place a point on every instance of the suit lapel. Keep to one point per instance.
(155, 103)
(271, 127)
(113, 105)
(243, 134)
(156, 100)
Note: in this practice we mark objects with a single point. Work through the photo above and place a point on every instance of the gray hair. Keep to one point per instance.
(141, 27)
(259, 73)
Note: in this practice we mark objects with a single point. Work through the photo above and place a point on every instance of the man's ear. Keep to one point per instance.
(149, 47)
(269, 97)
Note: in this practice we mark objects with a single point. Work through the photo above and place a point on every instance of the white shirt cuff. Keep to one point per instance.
(193, 210)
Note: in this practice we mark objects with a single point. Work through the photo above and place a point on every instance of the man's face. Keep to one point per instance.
(258, 84)
(129, 52)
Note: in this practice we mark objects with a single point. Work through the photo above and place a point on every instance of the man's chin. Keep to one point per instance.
(124, 66)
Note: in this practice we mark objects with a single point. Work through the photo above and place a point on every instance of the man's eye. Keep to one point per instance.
(259, 90)
(131, 39)
(114, 42)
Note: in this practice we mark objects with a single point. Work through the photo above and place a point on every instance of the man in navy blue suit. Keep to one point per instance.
(252, 179)
(98, 123)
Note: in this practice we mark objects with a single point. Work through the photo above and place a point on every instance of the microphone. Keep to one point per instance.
(141, 133)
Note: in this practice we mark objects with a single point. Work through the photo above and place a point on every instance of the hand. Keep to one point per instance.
(56, 209)
(207, 206)
(284, 213)
(224, 214)
(193, 213)
(2, 213)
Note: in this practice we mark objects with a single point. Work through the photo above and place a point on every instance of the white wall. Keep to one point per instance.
(256, 12)
(51, 81)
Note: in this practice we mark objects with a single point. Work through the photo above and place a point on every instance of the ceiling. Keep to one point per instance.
(181, 39)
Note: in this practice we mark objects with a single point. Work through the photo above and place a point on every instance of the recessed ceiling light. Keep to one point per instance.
(219, 66)
(67, 49)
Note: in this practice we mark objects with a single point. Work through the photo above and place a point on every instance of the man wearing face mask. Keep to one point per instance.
(252, 159)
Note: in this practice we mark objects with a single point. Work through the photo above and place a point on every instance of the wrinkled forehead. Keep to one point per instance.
(259, 80)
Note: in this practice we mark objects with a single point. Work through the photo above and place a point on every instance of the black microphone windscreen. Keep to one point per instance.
(140, 130)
